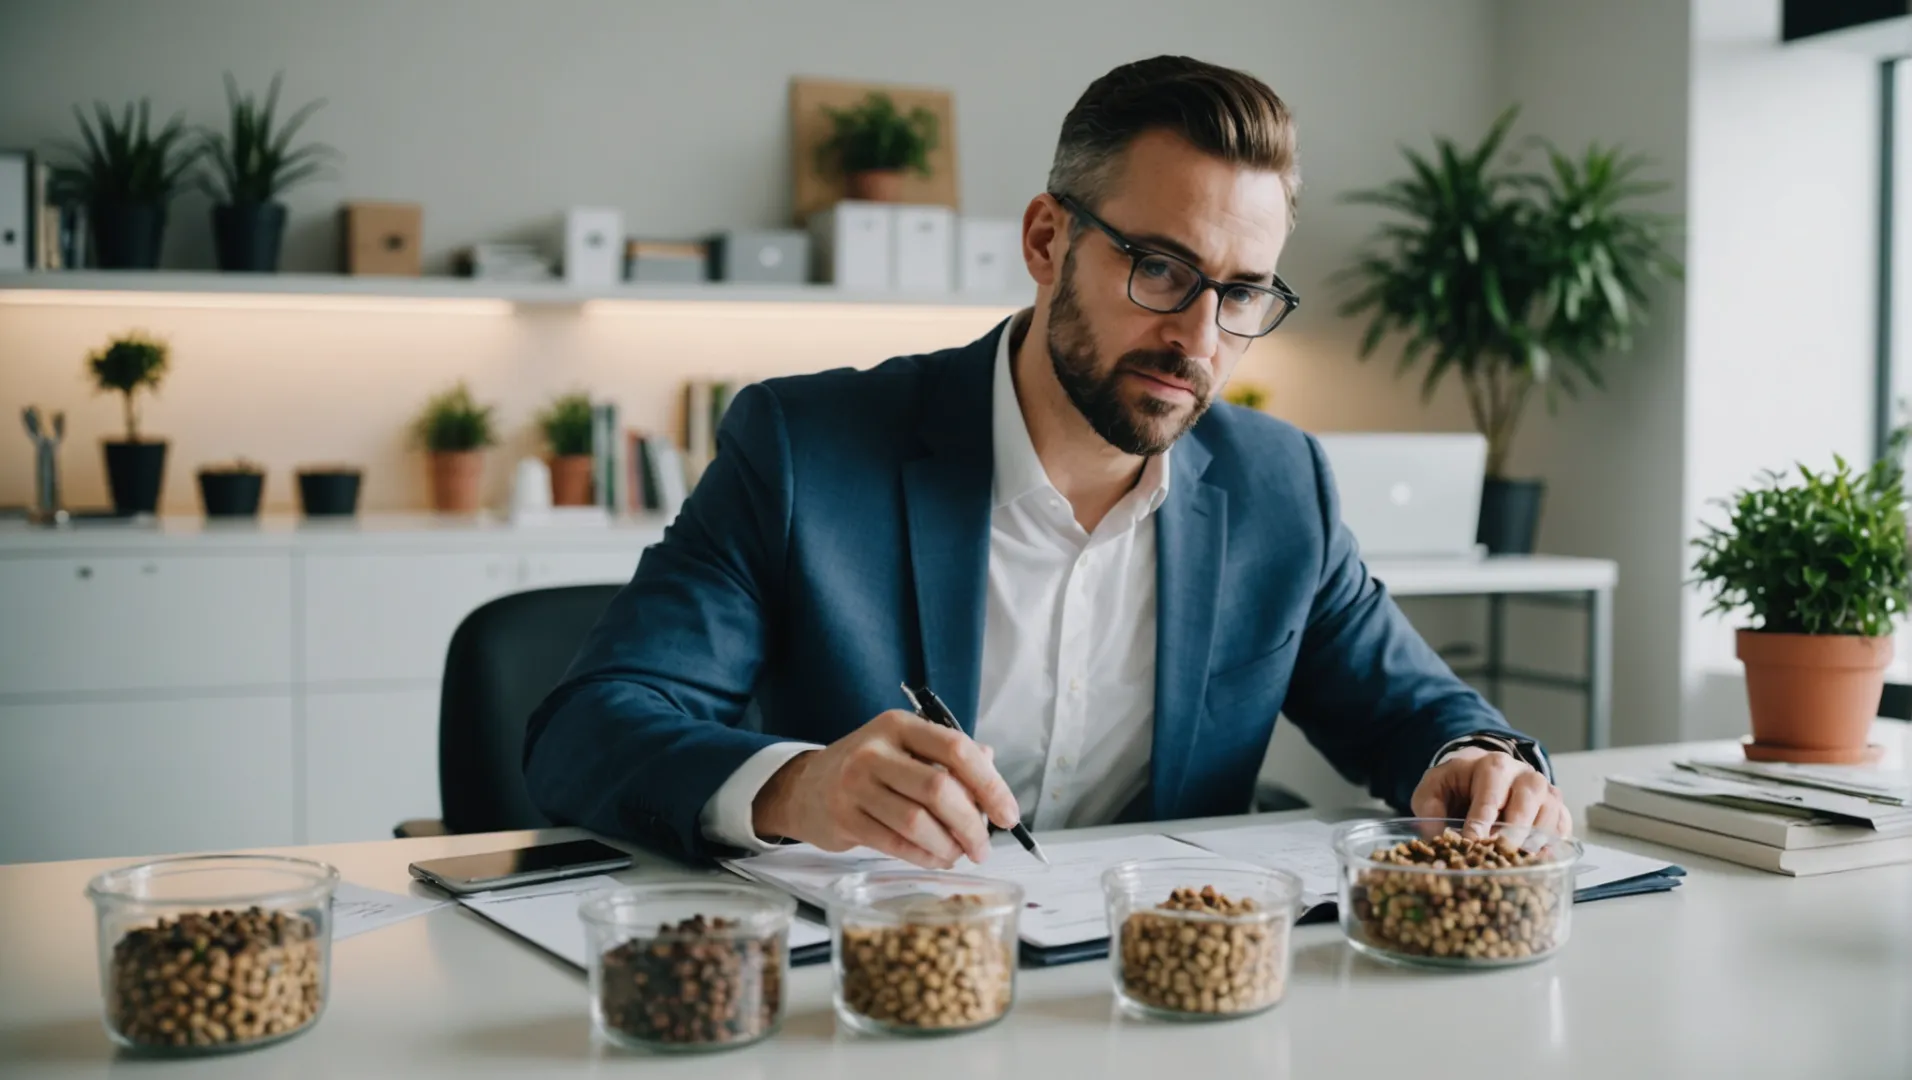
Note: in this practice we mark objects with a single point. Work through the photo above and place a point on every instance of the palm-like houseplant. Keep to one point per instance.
(1518, 282)
(125, 174)
(252, 163)
(873, 144)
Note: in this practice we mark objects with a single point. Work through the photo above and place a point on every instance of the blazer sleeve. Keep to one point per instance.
(645, 726)
(1368, 691)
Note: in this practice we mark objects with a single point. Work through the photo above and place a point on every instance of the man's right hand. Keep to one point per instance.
(899, 784)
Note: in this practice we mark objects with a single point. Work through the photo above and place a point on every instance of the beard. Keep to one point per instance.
(1144, 428)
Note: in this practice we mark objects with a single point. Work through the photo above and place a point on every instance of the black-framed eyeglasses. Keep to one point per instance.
(1166, 284)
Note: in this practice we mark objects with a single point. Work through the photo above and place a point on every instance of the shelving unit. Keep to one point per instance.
(110, 286)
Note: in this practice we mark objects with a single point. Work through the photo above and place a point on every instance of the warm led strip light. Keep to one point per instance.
(421, 305)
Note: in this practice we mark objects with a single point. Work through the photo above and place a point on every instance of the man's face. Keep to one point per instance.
(1141, 378)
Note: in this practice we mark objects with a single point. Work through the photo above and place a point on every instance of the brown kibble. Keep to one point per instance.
(1202, 965)
(184, 982)
(694, 983)
(940, 973)
(1475, 918)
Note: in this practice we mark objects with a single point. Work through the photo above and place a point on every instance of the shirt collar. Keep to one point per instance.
(1018, 471)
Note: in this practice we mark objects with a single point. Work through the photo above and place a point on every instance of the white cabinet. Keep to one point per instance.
(92, 779)
(391, 616)
(545, 571)
(137, 622)
(370, 760)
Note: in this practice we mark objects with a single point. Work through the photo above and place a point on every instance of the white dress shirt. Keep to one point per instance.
(1068, 661)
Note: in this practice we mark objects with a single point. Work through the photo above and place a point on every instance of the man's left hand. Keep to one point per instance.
(1485, 786)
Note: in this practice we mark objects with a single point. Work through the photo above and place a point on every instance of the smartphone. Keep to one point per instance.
(466, 874)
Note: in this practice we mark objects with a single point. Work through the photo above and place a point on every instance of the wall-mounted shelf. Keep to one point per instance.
(160, 287)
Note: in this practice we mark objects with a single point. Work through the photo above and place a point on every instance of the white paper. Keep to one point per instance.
(1700, 780)
(547, 916)
(357, 909)
(1062, 902)
(1866, 782)
(1601, 865)
(1303, 848)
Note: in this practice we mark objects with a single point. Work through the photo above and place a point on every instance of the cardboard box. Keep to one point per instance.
(853, 245)
(773, 256)
(925, 245)
(382, 238)
(665, 260)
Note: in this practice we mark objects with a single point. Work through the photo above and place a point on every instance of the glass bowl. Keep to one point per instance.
(1199, 938)
(1508, 901)
(687, 966)
(210, 953)
(920, 952)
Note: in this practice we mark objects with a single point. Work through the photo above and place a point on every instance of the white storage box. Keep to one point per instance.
(593, 246)
(925, 248)
(988, 255)
(853, 246)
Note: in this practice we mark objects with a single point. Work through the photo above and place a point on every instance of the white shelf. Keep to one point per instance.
(104, 286)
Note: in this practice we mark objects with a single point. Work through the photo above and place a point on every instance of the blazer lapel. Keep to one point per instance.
(946, 495)
(1190, 539)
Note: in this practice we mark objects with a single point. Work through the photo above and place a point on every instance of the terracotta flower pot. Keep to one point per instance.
(458, 481)
(876, 185)
(571, 480)
(1813, 692)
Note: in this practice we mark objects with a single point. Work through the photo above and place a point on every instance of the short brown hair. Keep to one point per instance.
(1224, 112)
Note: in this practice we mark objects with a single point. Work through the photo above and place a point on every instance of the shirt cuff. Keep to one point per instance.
(727, 818)
(1526, 752)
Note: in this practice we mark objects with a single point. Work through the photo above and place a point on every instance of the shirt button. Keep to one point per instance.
(1075, 685)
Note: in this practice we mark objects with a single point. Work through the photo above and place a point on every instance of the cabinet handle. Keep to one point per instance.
(85, 572)
(149, 568)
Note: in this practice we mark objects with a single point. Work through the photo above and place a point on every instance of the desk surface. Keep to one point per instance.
(1736, 974)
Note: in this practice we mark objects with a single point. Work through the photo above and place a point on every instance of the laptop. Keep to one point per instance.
(1410, 495)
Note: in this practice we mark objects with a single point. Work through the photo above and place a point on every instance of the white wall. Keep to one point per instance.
(496, 114)
(1615, 71)
(1782, 294)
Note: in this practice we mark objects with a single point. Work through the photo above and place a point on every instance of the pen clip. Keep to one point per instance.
(914, 703)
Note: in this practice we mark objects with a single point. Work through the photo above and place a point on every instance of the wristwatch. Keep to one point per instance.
(1521, 748)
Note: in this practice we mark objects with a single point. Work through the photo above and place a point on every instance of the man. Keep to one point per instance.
(1115, 583)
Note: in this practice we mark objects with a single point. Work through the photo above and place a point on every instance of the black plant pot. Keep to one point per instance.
(127, 236)
(231, 494)
(329, 492)
(247, 235)
(1510, 515)
(135, 472)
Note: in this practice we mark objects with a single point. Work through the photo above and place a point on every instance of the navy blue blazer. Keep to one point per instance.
(839, 544)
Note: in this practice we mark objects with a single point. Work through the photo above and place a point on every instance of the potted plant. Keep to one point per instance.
(1523, 283)
(125, 175)
(232, 489)
(567, 431)
(873, 145)
(329, 490)
(454, 429)
(253, 163)
(135, 467)
(1820, 566)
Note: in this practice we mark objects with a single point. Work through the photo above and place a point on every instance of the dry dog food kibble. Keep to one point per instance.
(217, 978)
(694, 982)
(944, 971)
(1485, 917)
(1200, 965)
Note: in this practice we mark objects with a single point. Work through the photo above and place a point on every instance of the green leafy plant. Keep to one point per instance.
(123, 161)
(127, 365)
(453, 421)
(239, 466)
(1824, 554)
(874, 134)
(567, 425)
(253, 161)
(1518, 281)
(1247, 395)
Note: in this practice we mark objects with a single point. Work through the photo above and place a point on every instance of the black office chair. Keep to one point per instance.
(504, 658)
(1896, 702)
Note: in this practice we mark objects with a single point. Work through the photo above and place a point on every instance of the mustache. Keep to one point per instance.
(1171, 364)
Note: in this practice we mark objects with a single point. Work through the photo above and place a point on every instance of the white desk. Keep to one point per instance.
(1586, 584)
(1737, 974)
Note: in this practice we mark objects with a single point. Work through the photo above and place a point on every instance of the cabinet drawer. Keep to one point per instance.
(88, 780)
(371, 761)
(144, 623)
(547, 570)
(392, 616)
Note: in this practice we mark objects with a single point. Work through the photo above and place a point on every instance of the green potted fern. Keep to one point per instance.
(1817, 561)
(874, 144)
(1525, 284)
(135, 466)
(566, 425)
(455, 429)
(126, 175)
(253, 162)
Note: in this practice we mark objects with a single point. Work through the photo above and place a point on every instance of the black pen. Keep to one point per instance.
(931, 708)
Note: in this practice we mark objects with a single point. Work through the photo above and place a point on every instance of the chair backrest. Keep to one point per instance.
(1895, 703)
(504, 658)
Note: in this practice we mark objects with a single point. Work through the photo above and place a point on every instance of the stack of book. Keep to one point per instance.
(503, 262)
(1789, 819)
(705, 403)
